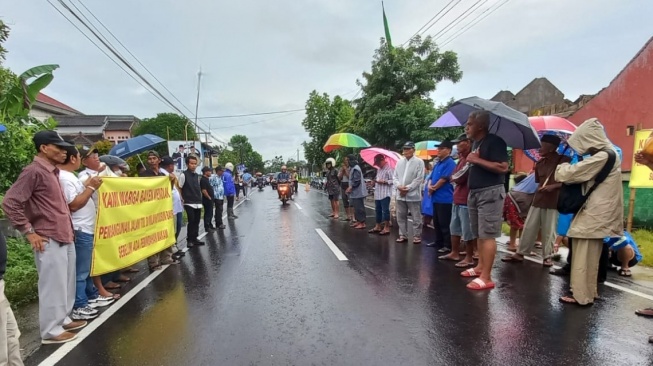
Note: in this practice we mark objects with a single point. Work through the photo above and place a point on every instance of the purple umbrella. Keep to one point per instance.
(511, 125)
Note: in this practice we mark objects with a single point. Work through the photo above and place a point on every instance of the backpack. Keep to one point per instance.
(571, 199)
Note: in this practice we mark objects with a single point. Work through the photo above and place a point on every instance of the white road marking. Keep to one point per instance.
(298, 206)
(62, 351)
(331, 245)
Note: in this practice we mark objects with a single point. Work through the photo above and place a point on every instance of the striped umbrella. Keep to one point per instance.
(338, 140)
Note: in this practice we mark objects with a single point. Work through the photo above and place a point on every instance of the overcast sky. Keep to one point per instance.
(260, 56)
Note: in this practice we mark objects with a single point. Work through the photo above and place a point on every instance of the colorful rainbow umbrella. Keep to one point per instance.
(338, 140)
(425, 149)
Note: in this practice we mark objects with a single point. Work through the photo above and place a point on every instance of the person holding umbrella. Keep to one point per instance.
(489, 165)
(382, 194)
(357, 192)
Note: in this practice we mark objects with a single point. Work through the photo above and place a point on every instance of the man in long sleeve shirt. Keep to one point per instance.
(36, 206)
(408, 177)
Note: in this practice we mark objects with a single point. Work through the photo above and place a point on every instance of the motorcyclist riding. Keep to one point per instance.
(284, 177)
(260, 180)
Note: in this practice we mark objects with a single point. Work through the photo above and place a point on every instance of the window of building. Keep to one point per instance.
(630, 130)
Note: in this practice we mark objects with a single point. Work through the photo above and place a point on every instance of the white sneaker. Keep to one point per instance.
(84, 313)
(101, 301)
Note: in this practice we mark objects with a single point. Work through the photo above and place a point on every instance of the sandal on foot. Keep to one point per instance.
(463, 264)
(479, 284)
(383, 232)
(511, 259)
(401, 239)
(570, 300)
(374, 231)
(448, 258)
(470, 273)
(625, 273)
(417, 240)
(648, 312)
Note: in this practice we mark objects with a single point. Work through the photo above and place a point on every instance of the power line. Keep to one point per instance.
(459, 19)
(254, 114)
(474, 22)
(430, 20)
(250, 123)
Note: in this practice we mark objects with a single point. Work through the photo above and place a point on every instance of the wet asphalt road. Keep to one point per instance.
(268, 291)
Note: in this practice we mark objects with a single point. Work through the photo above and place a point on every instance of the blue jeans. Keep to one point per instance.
(84, 289)
(382, 210)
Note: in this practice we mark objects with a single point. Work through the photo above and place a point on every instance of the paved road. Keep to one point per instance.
(269, 291)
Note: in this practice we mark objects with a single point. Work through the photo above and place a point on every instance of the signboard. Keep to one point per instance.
(134, 221)
(640, 175)
(179, 150)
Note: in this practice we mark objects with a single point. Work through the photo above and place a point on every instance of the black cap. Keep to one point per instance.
(166, 160)
(49, 137)
(409, 145)
(446, 144)
(85, 152)
(461, 137)
(206, 169)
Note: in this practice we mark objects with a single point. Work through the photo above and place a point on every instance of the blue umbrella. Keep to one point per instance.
(511, 125)
(135, 145)
(3, 128)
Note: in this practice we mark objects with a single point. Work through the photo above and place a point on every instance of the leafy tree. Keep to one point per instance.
(274, 165)
(324, 117)
(103, 146)
(17, 94)
(395, 104)
(169, 126)
(239, 151)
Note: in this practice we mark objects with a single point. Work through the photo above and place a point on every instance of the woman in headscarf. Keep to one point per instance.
(357, 192)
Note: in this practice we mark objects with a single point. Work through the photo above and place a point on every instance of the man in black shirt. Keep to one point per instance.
(489, 165)
(207, 199)
(191, 194)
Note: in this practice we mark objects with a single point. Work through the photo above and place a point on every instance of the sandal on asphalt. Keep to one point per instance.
(463, 264)
(374, 231)
(511, 259)
(384, 233)
(625, 273)
(479, 284)
(648, 312)
(470, 273)
(417, 240)
(570, 300)
(401, 239)
(448, 258)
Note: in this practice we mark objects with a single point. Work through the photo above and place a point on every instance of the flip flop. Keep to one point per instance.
(648, 312)
(625, 273)
(447, 258)
(417, 240)
(374, 231)
(479, 284)
(401, 239)
(469, 273)
(571, 301)
(511, 259)
(463, 264)
(384, 233)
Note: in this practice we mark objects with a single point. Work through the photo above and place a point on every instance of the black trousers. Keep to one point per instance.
(193, 228)
(208, 213)
(604, 262)
(230, 203)
(441, 221)
(219, 206)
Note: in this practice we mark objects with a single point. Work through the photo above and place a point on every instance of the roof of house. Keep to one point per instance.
(503, 96)
(40, 97)
(119, 126)
(536, 81)
(83, 139)
(80, 121)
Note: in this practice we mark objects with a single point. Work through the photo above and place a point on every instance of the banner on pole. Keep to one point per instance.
(640, 175)
(134, 221)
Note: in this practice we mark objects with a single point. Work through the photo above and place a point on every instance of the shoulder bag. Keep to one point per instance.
(571, 199)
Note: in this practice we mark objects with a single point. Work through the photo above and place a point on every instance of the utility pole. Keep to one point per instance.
(197, 100)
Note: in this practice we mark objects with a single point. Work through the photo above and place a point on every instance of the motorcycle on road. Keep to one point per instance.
(285, 191)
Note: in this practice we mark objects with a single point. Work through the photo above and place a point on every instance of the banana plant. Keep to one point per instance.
(22, 94)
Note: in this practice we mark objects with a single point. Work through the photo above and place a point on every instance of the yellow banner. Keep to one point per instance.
(134, 221)
(640, 175)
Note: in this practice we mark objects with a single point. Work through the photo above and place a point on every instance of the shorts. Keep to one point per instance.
(486, 210)
(460, 225)
(616, 262)
(334, 197)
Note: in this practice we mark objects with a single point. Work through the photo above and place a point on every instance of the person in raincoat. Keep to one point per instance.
(602, 215)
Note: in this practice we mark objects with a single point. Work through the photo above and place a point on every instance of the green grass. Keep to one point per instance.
(21, 278)
(644, 240)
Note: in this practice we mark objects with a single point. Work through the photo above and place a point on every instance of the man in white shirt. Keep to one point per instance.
(408, 177)
(168, 168)
(82, 208)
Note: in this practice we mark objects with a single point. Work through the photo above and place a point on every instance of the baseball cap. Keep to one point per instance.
(446, 144)
(409, 145)
(166, 160)
(461, 137)
(153, 153)
(86, 151)
(49, 137)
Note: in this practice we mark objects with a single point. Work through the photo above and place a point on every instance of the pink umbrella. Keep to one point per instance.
(552, 123)
(390, 156)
